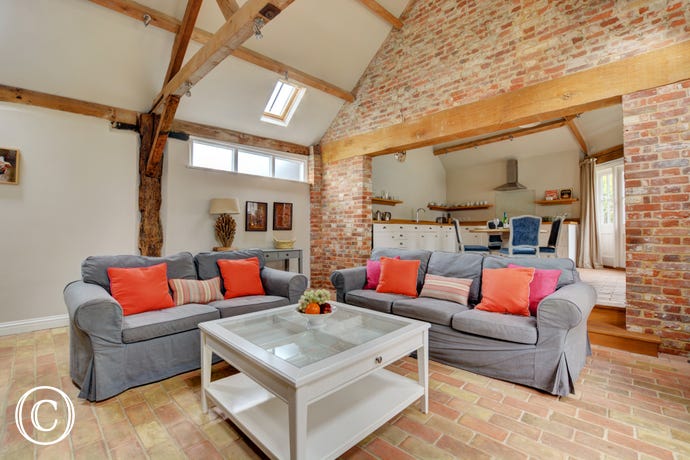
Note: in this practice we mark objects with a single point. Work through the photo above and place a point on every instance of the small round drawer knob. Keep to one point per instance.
(378, 360)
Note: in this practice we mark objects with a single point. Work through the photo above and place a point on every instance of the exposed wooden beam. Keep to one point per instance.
(162, 124)
(503, 137)
(150, 193)
(182, 37)
(577, 134)
(171, 24)
(580, 92)
(293, 74)
(66, 104)
(381, 12)
(228, 7)
(610, 154)
(236, 137)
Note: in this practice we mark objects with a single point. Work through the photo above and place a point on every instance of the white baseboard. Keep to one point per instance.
(34, 324)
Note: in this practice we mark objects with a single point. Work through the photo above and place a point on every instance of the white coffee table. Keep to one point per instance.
(305, 392)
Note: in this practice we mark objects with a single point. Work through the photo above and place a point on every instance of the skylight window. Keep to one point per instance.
(282, 103)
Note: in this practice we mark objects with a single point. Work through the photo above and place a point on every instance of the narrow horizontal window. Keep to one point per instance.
(212, 156)
(253, 163)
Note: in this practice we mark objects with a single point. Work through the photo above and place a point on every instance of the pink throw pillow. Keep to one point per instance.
(374, 273)
(543, 284)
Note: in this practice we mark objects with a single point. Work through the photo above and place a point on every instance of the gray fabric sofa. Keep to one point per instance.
(110, 353)
(546, 352)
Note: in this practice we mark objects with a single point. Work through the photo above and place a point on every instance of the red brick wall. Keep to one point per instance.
(451, 53)
(344, 217)
(657, 189)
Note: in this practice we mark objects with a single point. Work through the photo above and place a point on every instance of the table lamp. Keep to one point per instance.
(225, 224)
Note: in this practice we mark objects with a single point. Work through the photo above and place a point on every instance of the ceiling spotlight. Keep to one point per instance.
(258, 25)
(400, 156)
(147, 19)
(188, 85)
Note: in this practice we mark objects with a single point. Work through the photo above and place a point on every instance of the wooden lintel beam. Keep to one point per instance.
(609, 154)
(503, 137)
(227, 7)
(162, 126)
(236, 137)
(569, 95)
(171, 24)
(66, 104)
(182, 37)
(376, 8)
(578, 135)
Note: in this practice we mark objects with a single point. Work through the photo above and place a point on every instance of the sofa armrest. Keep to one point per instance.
(284, 284)
(566, 308)
(93, 310)
(348, 279)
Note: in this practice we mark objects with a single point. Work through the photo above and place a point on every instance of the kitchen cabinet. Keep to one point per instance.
(468, 237)
(414, 236)
(392, 236)
(447, 239)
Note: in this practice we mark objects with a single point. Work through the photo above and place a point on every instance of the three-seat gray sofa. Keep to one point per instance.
(546, 351)
(110, 353)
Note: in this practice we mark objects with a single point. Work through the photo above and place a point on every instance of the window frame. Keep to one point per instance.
(233, 151)
(290, 106)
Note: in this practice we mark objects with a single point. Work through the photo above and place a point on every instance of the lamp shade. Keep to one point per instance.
(224, 206)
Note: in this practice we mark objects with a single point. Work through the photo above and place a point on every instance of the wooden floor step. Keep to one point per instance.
(606, 327)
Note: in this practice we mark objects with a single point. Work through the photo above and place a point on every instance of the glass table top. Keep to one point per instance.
(288, 335)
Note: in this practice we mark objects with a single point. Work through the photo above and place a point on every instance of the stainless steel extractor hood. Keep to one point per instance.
(512, 177)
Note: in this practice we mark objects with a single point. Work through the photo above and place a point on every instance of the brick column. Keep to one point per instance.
(657, 189)
(341, 226)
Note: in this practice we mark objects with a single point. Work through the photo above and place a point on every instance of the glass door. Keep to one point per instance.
(610, 190)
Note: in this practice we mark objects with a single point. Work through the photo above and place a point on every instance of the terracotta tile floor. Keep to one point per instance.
(626, 406)
(609, 284)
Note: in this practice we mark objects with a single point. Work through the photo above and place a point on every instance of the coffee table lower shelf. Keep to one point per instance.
(334, 423)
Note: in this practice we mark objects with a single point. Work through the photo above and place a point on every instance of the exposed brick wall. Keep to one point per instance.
(657, 189)
(345, 218)
(451, 52)
(318, 244)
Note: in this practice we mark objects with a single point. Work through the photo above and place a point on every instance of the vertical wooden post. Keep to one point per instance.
(150, 195)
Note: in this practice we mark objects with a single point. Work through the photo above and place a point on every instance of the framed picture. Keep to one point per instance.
(551, 195)
(282, 216)
(566, 193)
(256, 217)
(9, 166)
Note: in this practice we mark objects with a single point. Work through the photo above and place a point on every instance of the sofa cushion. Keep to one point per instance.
(373, 300)
(506, 290)
(519, 329)
(426, 309)
(241, 277)
(398, 276)
(152, 324)
(569, 273)
(406, 254)
(195, 291)
(456, 265)
(95, 268)
(248, 304)
(446, 288)
(207, 262)
(140, 289)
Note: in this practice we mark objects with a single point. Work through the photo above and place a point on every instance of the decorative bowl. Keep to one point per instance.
(283, 244)
(319, 320)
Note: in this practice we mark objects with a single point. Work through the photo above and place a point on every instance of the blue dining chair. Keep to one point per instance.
(524, 237)
(467, 247)
(551, 248)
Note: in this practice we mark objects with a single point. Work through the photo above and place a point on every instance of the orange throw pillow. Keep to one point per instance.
(140, 289)
(241, 277)
(398, 276)
(506, 290)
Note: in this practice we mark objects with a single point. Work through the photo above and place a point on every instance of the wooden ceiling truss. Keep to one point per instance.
(376, 8)
(171, 24)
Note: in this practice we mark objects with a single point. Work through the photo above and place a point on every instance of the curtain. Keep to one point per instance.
(588, 255)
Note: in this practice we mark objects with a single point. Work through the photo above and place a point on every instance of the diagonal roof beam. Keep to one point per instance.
(162, 124)
(228, 7)
(504, 136)
(376, 8)
(171, 24)
(577, 134)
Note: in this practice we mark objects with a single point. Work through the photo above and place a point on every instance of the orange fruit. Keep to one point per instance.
(313, 309)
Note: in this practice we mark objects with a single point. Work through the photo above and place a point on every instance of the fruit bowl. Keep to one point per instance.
(317, 319)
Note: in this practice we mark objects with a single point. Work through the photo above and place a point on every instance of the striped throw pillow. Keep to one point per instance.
(445, 288)
(196, 291)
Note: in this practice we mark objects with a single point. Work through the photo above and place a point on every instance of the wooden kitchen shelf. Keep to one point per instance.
(559, 201)
(459, 208)
(385, 202)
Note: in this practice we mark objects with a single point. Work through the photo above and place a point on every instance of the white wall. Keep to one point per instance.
(188, 192)
(77, 196)
(418, 181)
